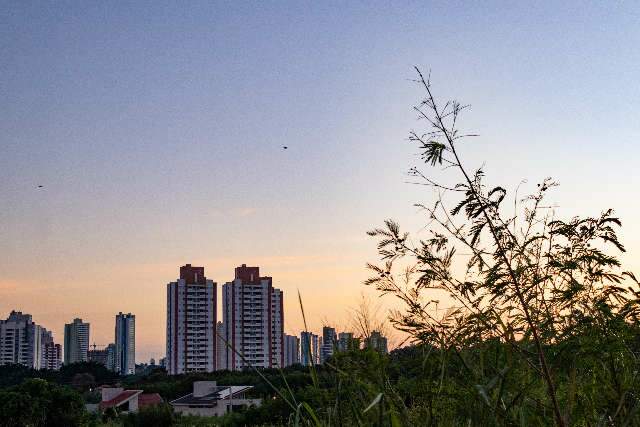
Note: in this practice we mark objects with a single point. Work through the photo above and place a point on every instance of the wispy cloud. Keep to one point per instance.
(233, 212)
(244, 212)
(6, 286)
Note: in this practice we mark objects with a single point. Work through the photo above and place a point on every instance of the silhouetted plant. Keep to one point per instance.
(512, 272)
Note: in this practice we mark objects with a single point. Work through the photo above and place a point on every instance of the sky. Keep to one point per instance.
(156, 130)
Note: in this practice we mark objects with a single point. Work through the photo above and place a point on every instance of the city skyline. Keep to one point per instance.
(143, 354)
(195, 340)
(143, 137)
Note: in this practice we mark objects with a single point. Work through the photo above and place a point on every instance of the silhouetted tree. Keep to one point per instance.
(512, 272)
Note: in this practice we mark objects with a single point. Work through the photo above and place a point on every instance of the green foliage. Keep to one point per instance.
(153, 416)
(484, 384)
(85, 375)
(37, 402)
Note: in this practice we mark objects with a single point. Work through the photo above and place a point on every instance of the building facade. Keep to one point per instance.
(347, 342)
(191, 322)
(211, 400)
(309, 349)
(329, 343)
(125, 347)
(221, 361)
(253, 319)
(98, 356)
(51, 357)
(377, 342)
(291, 350)
(25, 343)
(76, 341)
(111, 357)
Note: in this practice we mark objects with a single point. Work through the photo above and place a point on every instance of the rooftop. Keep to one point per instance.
(210, 399)
(119, 399)
(149, 399)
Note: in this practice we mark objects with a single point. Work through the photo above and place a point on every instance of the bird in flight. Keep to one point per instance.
(284, 147)
(40, 186)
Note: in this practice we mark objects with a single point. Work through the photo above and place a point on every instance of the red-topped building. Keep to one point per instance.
(253, 321)
(191, 322)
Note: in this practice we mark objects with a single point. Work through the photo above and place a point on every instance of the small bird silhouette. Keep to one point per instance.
(40, 186)
(284, 147)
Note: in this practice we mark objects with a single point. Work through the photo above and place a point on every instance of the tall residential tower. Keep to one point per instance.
(51, 357)
(328, 343)
(253, 318)
(309, 354)
(76, 341)
(191, 322)
(25, 343)
(291, 350)
(125, 357)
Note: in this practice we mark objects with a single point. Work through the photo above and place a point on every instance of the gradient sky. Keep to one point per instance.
(156, 130)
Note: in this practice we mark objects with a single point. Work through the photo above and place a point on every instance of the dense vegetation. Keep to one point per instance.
(514, 316)
(418, 385)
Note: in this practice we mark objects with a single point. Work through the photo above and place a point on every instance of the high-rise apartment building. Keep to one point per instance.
(76, 341)
(125, 354)
(253, 318)
(291, 350)
(347, 342)
(191, 322)
(328, 343)
(25, 343)
(111, 357)
(308, 349)
(221, 354)
(377, 342)
(19, 340)
(51, 357)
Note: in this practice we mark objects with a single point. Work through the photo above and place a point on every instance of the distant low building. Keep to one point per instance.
(145, 368)
(98, 356)
(377, 342)
(209, 399)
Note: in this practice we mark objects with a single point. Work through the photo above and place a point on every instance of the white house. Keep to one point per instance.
(209, 399)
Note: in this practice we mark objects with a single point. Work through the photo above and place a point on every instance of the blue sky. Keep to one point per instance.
(156, 129)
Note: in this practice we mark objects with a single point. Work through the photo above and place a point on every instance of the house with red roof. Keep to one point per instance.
(127, 400)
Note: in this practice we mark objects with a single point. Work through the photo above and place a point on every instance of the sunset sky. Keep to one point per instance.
(157, 133)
